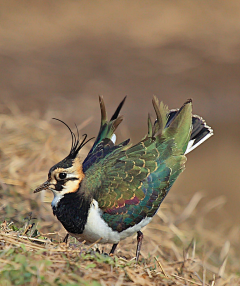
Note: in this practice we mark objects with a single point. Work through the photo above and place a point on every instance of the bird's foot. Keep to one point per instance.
(66, 238)
(113, 249)
(139, 244)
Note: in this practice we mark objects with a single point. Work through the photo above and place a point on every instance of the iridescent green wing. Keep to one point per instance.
(103, 143)
(131, 182)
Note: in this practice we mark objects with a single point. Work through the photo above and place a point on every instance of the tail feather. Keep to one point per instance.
(200, 133)
(180, 127)
(200, 130)
(161, 113)
(168, 125)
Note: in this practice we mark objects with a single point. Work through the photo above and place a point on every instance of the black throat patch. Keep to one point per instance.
(72, 211)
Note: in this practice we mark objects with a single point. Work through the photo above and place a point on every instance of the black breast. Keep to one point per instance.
(72, 212)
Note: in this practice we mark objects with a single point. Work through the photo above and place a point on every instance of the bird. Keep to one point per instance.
(118, 188)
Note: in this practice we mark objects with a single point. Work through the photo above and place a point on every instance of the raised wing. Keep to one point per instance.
(130, 183)
(103, 144)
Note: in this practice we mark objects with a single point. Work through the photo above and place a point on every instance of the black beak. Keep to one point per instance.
(42, 187)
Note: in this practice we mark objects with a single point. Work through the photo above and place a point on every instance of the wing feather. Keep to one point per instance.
(130, 182)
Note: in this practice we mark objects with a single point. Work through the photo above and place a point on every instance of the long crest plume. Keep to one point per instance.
(76, 143)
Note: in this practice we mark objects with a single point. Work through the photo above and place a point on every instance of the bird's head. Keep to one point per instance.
(65, 177)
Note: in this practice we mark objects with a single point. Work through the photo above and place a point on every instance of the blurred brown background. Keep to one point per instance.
(56, 57)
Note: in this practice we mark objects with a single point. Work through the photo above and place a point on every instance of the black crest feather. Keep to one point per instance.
(76, 143)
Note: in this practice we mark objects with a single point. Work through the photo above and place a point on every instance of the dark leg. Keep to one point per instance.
(66, 238)
(139, 244)
(113, 248)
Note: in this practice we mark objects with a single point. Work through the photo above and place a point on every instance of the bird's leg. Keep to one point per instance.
(113, 248)
(66, 238)
(139, 244)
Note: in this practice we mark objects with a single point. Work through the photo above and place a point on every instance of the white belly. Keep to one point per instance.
(97, 229)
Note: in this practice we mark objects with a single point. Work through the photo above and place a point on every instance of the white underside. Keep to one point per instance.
(97, 229)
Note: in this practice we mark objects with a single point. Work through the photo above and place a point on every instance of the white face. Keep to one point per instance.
(62, 181)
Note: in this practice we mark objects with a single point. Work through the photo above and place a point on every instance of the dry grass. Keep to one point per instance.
(178, 248)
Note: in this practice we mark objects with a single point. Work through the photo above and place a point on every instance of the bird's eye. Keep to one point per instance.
(62, 176)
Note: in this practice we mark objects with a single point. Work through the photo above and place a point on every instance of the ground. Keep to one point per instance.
(179, 246)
